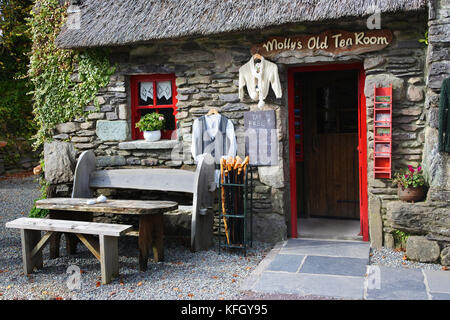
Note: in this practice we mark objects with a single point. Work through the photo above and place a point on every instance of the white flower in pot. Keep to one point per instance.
(151, 124)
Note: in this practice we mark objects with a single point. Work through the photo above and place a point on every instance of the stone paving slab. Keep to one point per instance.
(311, 284)
(438, 281)
(334, 248)
(398, 284)
(286, 262)
(335, 266)
(339, 269)
(440, 296)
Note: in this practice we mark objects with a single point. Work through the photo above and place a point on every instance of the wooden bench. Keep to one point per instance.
(200, 183)
(149, 212)
(105, 249)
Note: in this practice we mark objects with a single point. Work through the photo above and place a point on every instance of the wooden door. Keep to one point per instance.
(333, 177)
(331, 154)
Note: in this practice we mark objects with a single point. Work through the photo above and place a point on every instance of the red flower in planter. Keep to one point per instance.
(409, 178)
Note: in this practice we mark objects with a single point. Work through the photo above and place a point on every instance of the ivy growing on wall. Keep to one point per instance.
(65, 81)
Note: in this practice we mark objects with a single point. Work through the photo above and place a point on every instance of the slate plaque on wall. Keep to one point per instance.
(261, 140)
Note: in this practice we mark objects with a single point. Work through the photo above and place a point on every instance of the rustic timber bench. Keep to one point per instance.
(150, 215)
(105, 249)
(200, 183)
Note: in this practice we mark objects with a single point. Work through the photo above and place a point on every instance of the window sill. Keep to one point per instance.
(142, 144)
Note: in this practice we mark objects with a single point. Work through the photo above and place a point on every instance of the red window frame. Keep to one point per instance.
(135, 107)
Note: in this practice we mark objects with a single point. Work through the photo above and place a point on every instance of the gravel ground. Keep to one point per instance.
(397, 259)
(184, 275)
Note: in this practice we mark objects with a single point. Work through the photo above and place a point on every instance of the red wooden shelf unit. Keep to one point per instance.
(382, 116)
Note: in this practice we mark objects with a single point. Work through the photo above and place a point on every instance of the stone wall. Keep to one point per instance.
(429, 221)
(437, 165)
(207, 76)
(18, 156)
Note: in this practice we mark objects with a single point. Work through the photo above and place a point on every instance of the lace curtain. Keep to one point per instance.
(163, 89)
(146, 91)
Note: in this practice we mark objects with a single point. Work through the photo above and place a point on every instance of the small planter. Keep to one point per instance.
(152, 135)
(411, 194)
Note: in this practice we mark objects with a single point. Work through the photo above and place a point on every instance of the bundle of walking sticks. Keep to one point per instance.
(233, 177)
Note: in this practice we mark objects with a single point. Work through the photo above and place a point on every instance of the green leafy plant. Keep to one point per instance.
(400, 238)
(38, 213)
(65, 81)
(425, 39)
(16, 120)
(409, 178)
(151, 122)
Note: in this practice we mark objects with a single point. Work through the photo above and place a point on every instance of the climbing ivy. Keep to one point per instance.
(65, 81)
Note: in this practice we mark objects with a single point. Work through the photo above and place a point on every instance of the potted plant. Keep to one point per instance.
(151, 124)
(410, 184)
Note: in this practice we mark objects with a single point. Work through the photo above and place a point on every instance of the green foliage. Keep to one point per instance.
(425, 39)
(38, 213)
(151, 122)
(409, 178)
(400, 238)
(15, 43)
(59, 97)
(16, 121)
(15, 108)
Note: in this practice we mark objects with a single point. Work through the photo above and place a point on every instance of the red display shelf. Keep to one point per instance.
(382, 115)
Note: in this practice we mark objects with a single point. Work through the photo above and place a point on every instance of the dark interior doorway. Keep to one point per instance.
(327, 173)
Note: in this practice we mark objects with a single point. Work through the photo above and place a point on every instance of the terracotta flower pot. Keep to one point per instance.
(411, 194)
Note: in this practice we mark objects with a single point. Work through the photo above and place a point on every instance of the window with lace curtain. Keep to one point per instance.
(154, 93)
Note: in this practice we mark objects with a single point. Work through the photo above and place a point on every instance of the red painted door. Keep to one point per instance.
(362, 151)
(362, 143)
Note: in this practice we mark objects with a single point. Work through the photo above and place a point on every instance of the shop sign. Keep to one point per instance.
(336, 42)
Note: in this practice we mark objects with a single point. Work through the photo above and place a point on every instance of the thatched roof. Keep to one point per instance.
(123, 22)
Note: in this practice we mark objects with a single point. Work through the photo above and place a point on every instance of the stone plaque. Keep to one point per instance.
(335, 42)
(261, 139)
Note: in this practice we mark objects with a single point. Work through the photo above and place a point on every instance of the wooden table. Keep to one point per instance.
(151, 232)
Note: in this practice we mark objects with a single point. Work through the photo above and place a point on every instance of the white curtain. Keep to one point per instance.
(146, 90)
(164, 89)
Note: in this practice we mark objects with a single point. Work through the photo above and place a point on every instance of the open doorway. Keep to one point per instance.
(327, 183)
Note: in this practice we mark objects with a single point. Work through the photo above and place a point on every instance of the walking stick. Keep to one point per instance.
(238, 199)
(229, 191)
(222, 166)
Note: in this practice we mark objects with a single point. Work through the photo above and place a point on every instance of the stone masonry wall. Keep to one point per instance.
(207, 76)
(429, 222)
